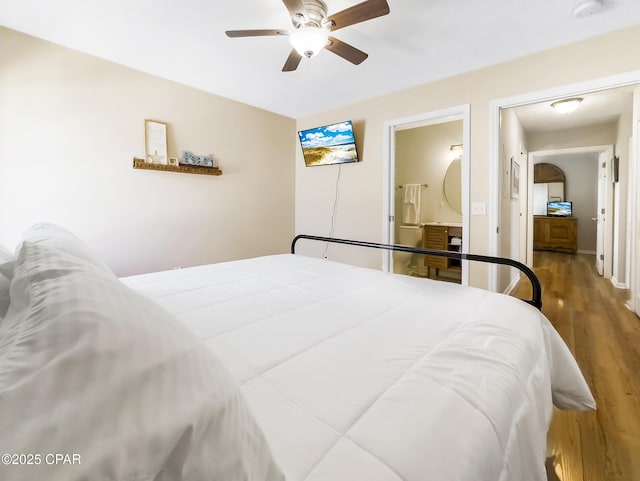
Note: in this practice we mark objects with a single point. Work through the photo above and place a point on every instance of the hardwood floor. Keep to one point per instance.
(590, 315)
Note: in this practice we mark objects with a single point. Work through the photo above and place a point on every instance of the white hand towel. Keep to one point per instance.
(411, 193)
(411, 204)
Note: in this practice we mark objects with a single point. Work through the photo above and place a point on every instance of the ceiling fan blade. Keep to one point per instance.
(359, 13)
(255, 33)
(292, 61)
(295, 7)
(346, 51)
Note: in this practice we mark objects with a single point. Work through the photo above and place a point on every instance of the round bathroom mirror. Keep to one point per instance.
(453, 185)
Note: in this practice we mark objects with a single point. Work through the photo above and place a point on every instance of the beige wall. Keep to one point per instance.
(603, 134)
(620, 228)
(70, 125)
(361, 195)
(513, 209)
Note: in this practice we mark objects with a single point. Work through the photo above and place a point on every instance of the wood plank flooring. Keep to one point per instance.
(604, 336)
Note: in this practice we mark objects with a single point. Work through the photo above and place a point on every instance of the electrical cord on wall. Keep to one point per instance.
(334, 214)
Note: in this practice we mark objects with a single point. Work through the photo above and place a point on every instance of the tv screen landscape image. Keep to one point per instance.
(329, 144)
(559, 209)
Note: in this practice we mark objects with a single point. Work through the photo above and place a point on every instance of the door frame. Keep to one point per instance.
(633, 233)
(604, 252)
(548, 95)
(460, 112)
(604, 151)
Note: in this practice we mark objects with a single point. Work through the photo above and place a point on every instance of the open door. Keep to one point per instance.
(601, 212)
(634, 210)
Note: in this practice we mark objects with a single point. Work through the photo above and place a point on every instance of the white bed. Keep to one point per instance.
(350, 373)
(358, 374)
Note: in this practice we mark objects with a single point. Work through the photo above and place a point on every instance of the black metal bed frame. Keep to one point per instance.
(536, 297)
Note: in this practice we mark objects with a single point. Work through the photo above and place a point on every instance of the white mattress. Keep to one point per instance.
(357, 374)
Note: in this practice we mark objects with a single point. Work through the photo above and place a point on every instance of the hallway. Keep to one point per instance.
(604, 336)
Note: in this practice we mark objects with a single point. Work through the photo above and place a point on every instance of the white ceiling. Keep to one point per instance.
(596, 108)
(418, 42)
(568, 157)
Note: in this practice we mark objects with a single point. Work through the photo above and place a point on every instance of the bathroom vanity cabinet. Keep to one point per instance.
(442, 237)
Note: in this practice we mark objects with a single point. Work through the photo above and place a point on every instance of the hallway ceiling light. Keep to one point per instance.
(567, 105)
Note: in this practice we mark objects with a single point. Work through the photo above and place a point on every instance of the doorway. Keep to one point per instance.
(587, 132)
(589, 189)
(418, 153)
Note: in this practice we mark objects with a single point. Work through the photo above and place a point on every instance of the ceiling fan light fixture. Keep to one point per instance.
(309, 40)
(312, 27)
(567, 105)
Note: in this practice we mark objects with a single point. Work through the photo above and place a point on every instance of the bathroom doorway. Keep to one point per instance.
(427, 192)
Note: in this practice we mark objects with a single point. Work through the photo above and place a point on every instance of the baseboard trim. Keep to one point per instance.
(618, 285)
(512, 285)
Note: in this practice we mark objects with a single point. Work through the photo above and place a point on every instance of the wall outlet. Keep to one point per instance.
(478, 208)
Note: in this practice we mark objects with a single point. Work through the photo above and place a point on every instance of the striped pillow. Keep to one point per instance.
(5, 269)
(92, 369)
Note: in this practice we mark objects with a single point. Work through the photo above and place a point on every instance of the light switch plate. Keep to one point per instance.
(478, 208)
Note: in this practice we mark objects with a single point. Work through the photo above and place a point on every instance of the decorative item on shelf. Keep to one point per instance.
(186, 168)
(173, 161)
(189, 158)
(155, 142)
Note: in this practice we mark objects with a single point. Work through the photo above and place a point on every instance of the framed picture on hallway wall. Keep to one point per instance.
(515, 179)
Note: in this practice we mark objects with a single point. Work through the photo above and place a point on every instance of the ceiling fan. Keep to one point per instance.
(312, 26)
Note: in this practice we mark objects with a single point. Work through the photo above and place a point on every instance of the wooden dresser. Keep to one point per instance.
(555, 233)
(442, 237)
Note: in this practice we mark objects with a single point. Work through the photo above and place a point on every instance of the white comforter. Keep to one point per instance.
(355, 374)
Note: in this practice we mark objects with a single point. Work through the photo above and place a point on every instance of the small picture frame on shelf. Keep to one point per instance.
(173, 161)
(155, 142)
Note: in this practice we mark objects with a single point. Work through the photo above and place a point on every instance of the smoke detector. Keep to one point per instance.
(586, 8)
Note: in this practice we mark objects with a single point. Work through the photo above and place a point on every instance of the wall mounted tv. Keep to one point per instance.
(329, 144)
(559, 209)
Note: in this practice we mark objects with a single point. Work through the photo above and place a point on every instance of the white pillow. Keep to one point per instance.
(91, 368)
(5, 254)
(4, 293)
(5, 257)
(60, 238)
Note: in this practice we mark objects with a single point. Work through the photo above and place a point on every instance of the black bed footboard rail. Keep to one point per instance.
(536, 297)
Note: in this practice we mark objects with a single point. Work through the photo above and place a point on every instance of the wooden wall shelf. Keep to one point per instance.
(188, 169)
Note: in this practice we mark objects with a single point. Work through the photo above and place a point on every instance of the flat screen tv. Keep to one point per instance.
(329, 144)
(559, 209)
